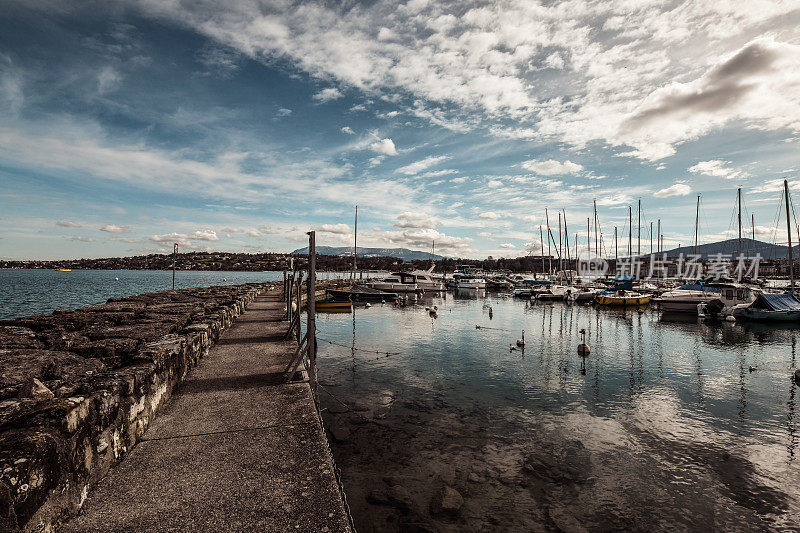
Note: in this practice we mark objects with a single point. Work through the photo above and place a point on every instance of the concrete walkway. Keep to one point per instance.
(235, 450)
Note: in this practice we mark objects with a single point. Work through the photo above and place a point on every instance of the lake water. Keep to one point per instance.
(662, 427)
(39, 291)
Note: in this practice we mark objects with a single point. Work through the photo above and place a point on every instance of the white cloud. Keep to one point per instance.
(618, 69)
(460, 179)
(717, 168)
(80, 239)
(339, 229)
(384, 146)
(180, 238)
(552, 167)
(205, 235)
(507, 245)
(68, 224)
(484, 234)
(253, 233)
(757, 84)
(494, 184)
(419, 166)
(348, 130)
(489, 215)
(678, 189)
(415, 220)
(284, 112)
(438, 173)
(113, 228)
(423, 238)
(327, 95)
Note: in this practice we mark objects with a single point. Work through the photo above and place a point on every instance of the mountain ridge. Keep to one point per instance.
(347, 251)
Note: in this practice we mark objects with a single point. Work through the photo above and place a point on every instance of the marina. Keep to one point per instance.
(399, 267)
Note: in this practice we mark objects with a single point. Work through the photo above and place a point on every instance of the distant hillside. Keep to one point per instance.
(731, 246)
(347, 251)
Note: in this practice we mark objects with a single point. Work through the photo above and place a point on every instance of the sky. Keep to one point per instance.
(128, 125)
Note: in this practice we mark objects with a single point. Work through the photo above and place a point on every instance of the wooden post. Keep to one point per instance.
(311, 321)
(298, 327)
(174, 253)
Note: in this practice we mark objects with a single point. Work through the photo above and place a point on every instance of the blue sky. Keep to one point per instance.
(126, 126)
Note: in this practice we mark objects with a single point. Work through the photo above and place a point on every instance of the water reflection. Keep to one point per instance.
(665, 416)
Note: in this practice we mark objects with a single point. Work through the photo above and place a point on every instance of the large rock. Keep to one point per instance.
(400, 498)
(447, 501)
(18, 366)
(35, 389)
(18, 337)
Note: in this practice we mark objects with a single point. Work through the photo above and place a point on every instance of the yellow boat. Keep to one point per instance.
(623, 298)
(64, 269)
(333, 306)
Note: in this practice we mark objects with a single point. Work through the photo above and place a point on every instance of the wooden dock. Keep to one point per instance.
(237, 449)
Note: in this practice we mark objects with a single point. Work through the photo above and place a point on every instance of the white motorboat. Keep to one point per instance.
(554, 293)
(732, 299)
(397, 282)
(686, 298)
(425, 281)
(471, 283)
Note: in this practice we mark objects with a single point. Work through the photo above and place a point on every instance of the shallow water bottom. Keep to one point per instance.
(662, 428)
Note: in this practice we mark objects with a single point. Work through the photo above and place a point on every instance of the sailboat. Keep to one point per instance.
(778, 307)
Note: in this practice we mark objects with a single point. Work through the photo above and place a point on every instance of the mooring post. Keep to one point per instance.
(311, 322)
(284, 284)
(289, 297)
(298, 327)
(174, 253)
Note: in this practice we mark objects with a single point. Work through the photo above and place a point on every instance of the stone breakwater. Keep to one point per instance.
(79, 388)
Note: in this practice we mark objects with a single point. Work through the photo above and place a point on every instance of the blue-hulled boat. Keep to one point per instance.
(773, 308)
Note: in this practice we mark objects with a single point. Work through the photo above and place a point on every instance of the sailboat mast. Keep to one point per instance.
(588, 238)
(753, 228)
(739, 196)
(789, 232)
(696, 222)
(355, 243)
(630, 232)
(639, 229)
(616, 246)
(560, 262)
(596, 244)
(566, 245)
(658, 236)
(541, 240)
(549, 252)
(651, 237)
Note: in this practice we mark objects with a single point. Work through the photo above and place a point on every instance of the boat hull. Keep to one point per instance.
(763, 315)
(628, 301)
(681, 306)
(335, 307)
(395, 287)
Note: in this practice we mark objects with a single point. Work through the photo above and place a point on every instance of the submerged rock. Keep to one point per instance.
(559, 463)
(446, 501)
(400, 498)
(339, 433)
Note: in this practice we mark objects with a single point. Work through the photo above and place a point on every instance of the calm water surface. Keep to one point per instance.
(34, 292)
(662, 427)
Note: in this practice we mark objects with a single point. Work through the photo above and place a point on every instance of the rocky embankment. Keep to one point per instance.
(79, 388)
